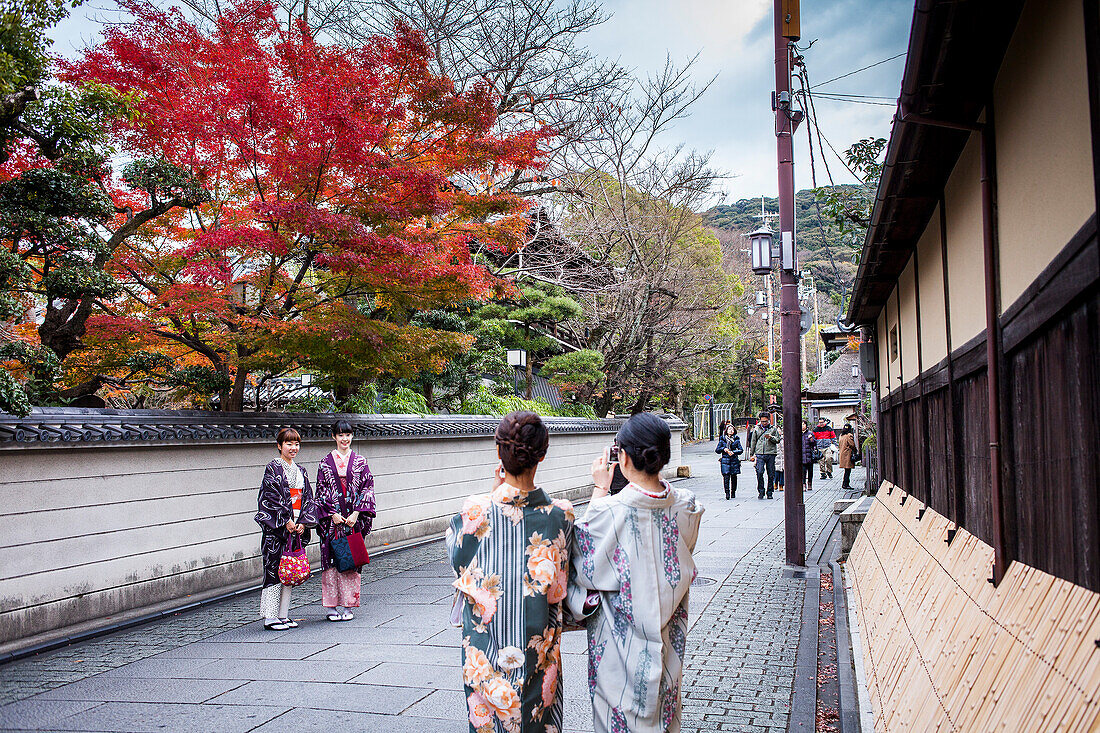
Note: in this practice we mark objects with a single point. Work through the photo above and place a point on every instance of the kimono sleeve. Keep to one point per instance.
(365, 504)
(595, 538)
(690, 515)
(467, 529)
(309, 513)
(325, 496)
(272, 513)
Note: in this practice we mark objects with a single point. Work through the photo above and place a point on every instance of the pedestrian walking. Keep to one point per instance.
(809, 446)
(510, 551)
(780, 462)
(762, 450)
(847, 455)
(729, 452)
(286, 511)
(634, 550)
(345, 505)
(825, 438)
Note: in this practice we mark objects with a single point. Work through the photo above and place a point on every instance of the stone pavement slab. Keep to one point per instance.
(121, 689)
(324, 695)
(395, 667)
(127, 717)
(310, 719)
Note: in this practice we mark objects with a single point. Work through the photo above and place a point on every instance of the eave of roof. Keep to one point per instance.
(955, 50)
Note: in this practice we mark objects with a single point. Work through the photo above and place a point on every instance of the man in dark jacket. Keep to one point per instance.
(825, 438)
(809, 442)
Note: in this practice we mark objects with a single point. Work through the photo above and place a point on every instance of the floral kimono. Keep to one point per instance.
(635, 549)
(342, 492)
(275, 508)
(510, 551)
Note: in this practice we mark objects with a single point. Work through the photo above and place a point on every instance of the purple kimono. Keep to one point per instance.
(331, 499)
(275, 508)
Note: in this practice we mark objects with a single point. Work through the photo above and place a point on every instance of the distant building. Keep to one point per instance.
(835, 394)
(977, 571)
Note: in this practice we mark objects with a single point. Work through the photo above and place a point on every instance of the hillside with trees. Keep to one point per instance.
(812, 222)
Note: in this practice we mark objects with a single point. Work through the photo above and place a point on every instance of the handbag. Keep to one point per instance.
(349, 552)
(818, 455)
(293, 565)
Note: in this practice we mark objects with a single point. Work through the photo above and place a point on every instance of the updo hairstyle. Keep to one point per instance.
(342, 427)
(522, 439)
(647, 439)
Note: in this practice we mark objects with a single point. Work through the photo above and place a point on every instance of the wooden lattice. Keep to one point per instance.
(945, 650)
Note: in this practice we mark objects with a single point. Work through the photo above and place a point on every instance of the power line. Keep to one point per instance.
(828, 98)
(850, 73)
(855, 96)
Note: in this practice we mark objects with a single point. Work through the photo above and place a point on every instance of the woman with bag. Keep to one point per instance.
(345, 509)
(848, 453)
(510, 551)
(634, 550)
(286, 511)
(729, 452)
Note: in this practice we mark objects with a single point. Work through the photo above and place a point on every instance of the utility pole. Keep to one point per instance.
(787, 24)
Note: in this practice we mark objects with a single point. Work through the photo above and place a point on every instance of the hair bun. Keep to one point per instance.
(522, 440)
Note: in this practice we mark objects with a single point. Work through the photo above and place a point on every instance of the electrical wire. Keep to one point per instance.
(856, 101)
(871, 66)
(811, 118)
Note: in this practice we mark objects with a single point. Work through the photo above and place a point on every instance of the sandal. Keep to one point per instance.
(290, 623)
(348, 616)
(275, 626)
(335, 617)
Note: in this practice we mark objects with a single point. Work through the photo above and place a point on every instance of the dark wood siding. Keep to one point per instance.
(1050, 405)
(1053, 454)
(941, 454)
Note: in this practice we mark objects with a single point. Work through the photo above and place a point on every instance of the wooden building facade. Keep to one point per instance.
(976, 577)
(986, 220)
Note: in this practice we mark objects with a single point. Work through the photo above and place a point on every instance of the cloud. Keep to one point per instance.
(733, 39)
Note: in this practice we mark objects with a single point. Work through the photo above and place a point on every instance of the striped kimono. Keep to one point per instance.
(510, 552)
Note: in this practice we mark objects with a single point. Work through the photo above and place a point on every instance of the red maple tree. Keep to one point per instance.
(334, 214)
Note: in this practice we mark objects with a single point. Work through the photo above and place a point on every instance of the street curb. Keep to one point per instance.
(849, 696)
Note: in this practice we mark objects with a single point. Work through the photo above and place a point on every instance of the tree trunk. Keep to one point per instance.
(235, 400)
(604, 403)
(530, 378)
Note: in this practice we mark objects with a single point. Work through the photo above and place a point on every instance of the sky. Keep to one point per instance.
(733, 40)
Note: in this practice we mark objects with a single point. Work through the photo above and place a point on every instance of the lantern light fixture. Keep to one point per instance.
(760, 245)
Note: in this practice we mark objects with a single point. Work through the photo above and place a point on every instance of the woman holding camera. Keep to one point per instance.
(510, 551)
(633, 568)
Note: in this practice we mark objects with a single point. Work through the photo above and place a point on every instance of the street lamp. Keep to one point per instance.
(760, 244)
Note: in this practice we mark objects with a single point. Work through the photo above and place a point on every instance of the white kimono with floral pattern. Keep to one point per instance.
(635, 550)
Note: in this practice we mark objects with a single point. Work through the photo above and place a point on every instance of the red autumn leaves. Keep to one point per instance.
(347, 185)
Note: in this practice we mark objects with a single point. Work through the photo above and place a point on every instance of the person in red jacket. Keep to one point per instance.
(825, 438)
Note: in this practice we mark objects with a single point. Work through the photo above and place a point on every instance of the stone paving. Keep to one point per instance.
(395, 667)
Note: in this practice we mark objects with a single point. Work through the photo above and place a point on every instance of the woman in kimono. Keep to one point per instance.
(285, 506)
(510, 551)
(345, 504)
(633, 550)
